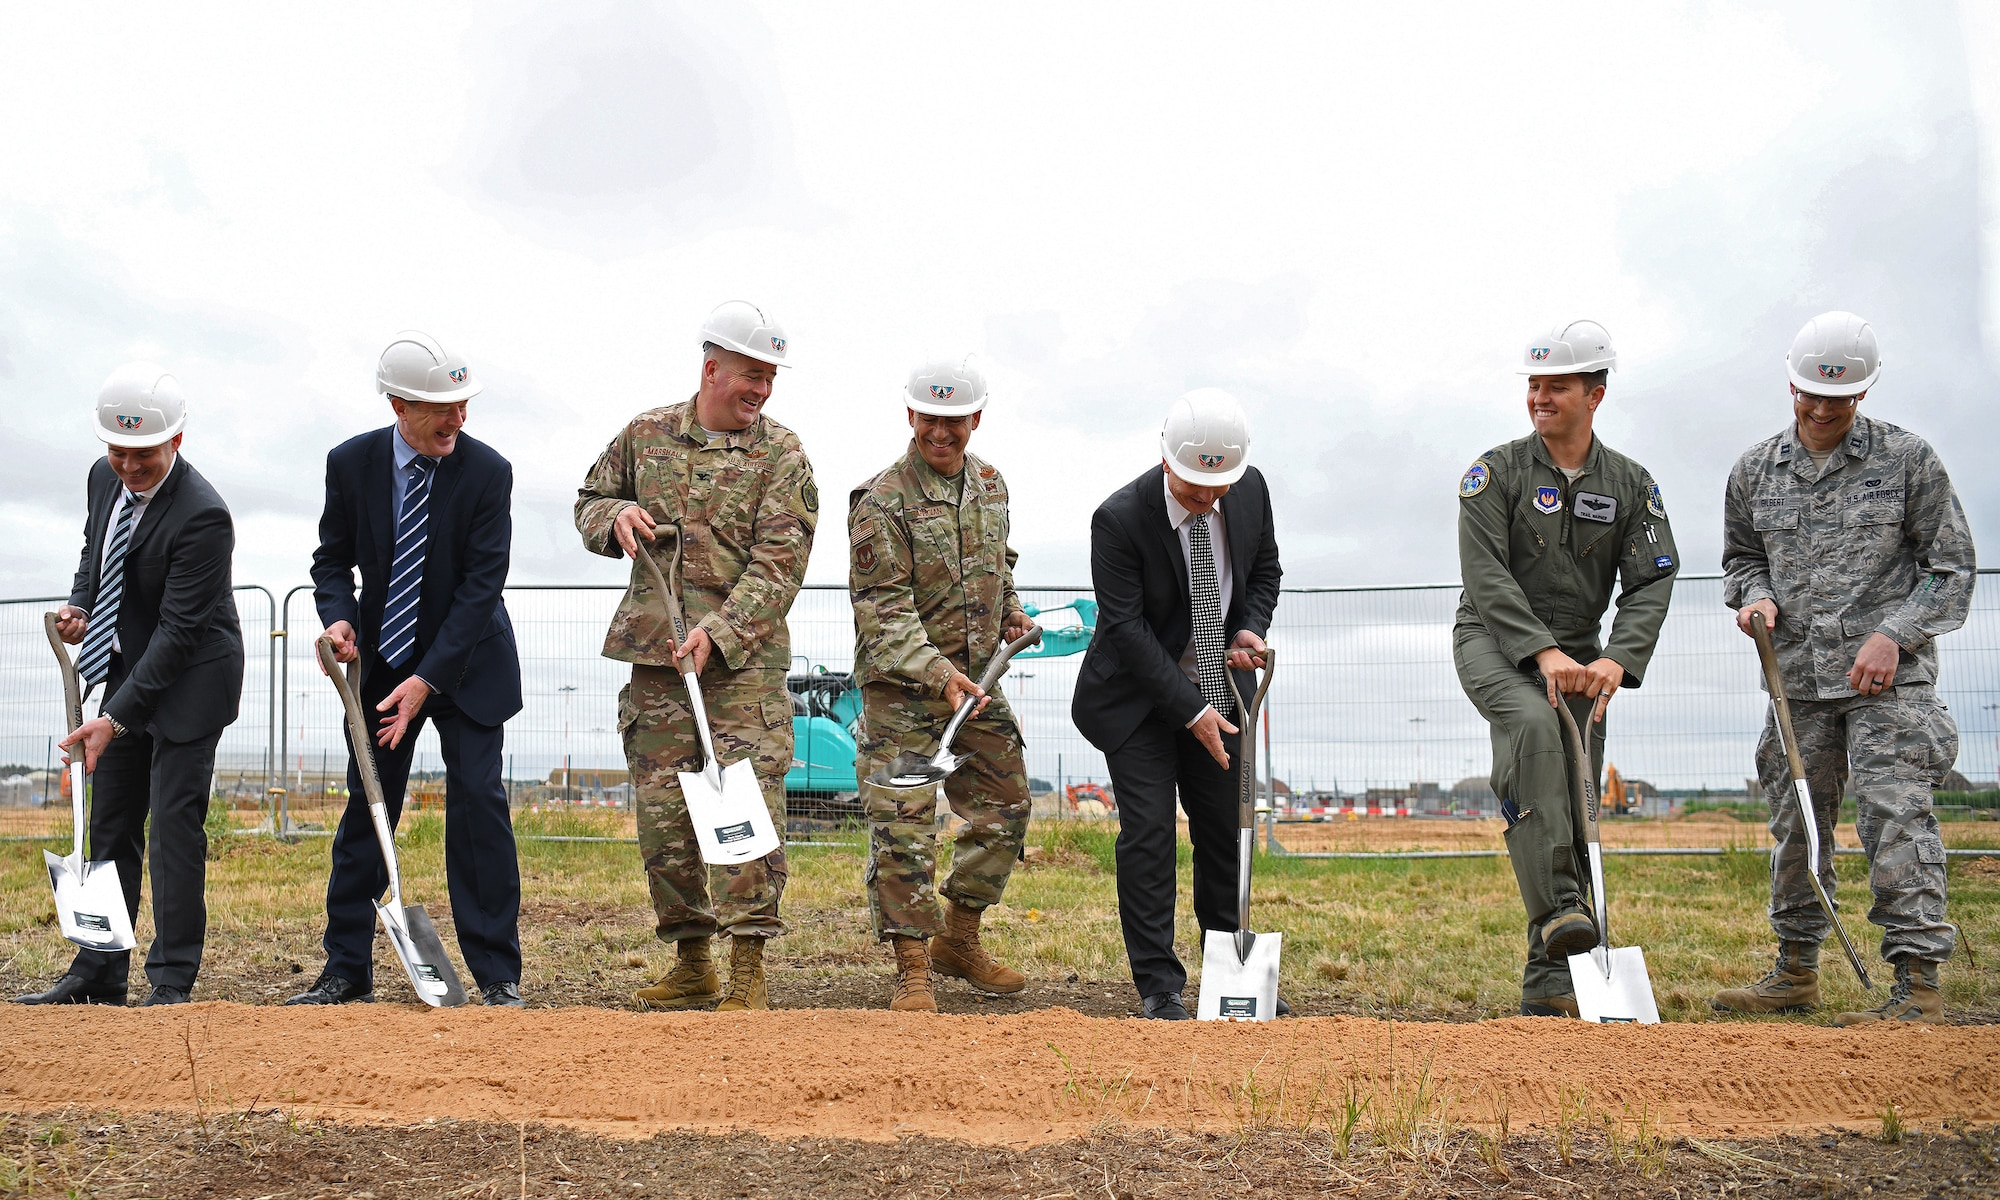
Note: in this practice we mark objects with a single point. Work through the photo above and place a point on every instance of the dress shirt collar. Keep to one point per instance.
(147, 495)
(406, 453)
(1177, 514)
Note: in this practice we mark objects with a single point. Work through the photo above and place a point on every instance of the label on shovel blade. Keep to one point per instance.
(429, 973)
(92, 922)
(739, 832)
(1238, 1008)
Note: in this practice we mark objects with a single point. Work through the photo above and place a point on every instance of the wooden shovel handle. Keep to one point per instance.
(668, 581)
(1768, 655)
(72, 685)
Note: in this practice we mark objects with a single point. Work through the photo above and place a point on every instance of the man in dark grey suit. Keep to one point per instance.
(152, 607)
(1180, 557)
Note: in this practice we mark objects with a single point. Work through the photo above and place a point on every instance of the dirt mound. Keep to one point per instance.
(1025, 1079)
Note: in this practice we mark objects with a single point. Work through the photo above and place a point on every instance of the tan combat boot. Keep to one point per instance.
(957, 952)
(1792, 986)
(746, 976)
(1550, 1006)
(1914, 998)
(913, 977)
(691, 982)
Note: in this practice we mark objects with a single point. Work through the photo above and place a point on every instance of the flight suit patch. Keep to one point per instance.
(1654, 504)
(1477, 476)
(1548, 499)
(1592, 507)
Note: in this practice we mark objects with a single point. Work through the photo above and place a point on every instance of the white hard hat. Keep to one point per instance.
(741, 326)
(415, 367)
(1206, 441)
(947, 387)
(1834, 355)
(1570, 349)
(140, 405)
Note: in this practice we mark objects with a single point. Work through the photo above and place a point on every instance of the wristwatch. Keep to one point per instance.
(117, 730)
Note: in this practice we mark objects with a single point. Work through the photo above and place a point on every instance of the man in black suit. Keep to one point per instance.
(425, 512)
(1179, 557)
(152, 606)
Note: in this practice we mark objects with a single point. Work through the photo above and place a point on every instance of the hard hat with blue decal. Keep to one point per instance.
(1572, 348)
(1205, 439)
(947, 387)
(743, 327)
(140, 405)
(1834, 355)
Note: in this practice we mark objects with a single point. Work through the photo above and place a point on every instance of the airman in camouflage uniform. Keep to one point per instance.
(1543, 550)
(746, 505)
(932, 580)
(1859, 562)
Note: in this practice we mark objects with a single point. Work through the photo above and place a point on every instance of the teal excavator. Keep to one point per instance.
(826, 716)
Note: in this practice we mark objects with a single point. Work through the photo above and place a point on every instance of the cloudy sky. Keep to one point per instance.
(1350, 215)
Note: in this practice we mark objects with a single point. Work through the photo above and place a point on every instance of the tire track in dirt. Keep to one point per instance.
(1022, 1079)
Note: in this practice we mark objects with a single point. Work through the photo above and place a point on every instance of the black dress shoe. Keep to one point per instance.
(1284, 1009)
(1166, 1006)
(166, 993)
(333, 989)
(504, 994)
(74, 989)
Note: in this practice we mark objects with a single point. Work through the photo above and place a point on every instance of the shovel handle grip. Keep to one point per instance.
(1246, 747)
(994, 670)
(1583, 771)
(666, 582)
(72, 684)
(1768, 655)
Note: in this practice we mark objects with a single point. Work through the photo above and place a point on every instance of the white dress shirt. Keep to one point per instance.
(139, 501)
(1178, 519)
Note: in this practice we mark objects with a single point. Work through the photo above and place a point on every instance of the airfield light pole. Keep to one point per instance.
(567, 690)
(1417, 789)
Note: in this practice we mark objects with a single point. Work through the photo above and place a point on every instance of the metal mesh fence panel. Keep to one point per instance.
(1366, 699)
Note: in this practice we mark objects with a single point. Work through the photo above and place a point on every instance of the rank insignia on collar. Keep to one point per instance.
(1548, 499)
(1477, 476)
(1654, 504)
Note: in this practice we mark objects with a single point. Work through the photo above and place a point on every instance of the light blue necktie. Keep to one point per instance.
(95, 661)
(406, 573)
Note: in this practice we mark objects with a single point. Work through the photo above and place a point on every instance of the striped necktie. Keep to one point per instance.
(406, 573)
(1206, 591)
(94, 664)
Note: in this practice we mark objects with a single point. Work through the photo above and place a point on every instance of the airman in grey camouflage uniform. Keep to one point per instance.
(746, 505)
(932, 580)
(1858, 563)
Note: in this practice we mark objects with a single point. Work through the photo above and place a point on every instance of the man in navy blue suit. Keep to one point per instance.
(425, 512)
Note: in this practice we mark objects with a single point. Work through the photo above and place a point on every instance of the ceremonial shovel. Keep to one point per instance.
(409, 927)
(1783, 709)
(912, 770)
(1239, 970)
(725, 805)
(90, 902)
(1612, 987)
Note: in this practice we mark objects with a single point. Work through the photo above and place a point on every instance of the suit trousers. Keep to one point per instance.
(1156, 766)
(140, 776)
(482, 873)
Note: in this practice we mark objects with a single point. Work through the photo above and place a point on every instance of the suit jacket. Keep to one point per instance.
(181, 649)
(1145, 616)
(465, 643)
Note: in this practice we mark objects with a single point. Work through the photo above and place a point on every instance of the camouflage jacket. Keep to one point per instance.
(1876, 544)
(930, 573)
(746, 505)
(1540, 555)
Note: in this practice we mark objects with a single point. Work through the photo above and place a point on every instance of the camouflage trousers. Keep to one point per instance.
(1532, 767)
(990, 793)
(1894, 747)
(750, 716)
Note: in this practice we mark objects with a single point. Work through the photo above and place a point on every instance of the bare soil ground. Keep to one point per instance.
(1023, 1079)
(273, 1155)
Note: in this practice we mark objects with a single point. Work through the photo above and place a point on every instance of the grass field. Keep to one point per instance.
(1425, 939)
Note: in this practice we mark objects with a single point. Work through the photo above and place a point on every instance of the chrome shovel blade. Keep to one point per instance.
(731, 823)
(909, 770)
(1612, 987)
(90, 903)
(415, 940)
(1238, 987)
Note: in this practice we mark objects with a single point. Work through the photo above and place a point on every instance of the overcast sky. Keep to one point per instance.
(1352, 216)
